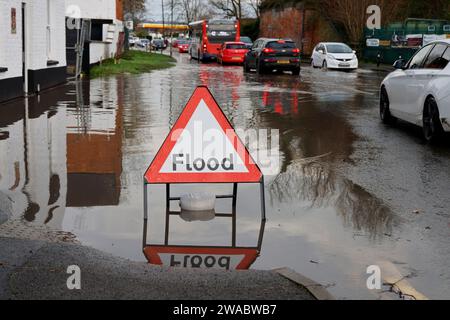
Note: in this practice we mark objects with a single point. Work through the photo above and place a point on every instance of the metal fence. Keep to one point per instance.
(403, 39)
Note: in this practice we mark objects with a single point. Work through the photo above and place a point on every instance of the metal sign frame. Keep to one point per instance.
(232, 215)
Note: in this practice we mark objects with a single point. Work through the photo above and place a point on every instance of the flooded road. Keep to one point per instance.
(351, 192)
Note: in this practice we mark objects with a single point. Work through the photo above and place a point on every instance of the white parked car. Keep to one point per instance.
(132, 41)
(334, 55)
(419, 91)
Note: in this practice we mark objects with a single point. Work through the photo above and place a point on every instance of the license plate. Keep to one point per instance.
(236, 58)
(344, 65)
(283, 61)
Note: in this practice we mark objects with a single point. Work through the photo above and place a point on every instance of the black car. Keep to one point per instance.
(267, 55)
(248, 42)
(158, 44)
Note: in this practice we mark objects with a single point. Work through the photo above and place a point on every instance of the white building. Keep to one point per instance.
(32, 46)
(106, 32)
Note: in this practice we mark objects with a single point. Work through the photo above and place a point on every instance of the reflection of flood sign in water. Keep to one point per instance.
(198, 257)
(202, 147)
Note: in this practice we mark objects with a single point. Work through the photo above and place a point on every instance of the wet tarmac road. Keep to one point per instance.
(351, 192)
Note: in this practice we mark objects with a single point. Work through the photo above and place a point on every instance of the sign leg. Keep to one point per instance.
(144, 236)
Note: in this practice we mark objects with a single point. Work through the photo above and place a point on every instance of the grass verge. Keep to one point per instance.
(132, 62)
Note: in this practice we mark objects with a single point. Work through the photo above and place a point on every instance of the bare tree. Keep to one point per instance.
(352, 14)
(191, 10)
(230, 8)
(255, 5)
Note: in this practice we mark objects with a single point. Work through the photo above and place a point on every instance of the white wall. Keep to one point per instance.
(37, 28)
(93, 9)
(36, 22)
(10, 44)
(101, 50)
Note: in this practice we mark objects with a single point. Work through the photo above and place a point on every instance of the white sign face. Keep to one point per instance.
(427, 38)
(203, 147)
(373, 42)
(129, 24)
(213, 261)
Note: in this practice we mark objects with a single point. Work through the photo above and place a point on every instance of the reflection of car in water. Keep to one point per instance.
(419, 91)
(333, 55)
(280, 102)
(267, 55)
(232, 52)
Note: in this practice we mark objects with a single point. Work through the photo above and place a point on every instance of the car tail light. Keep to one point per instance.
(296, 51)
(268, 50)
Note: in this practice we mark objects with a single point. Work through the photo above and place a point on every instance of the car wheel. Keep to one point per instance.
(312, 64)
(246, 68)
(385, 113)
(260, 68)
(296, 71)
(432, 127)
(325, 65)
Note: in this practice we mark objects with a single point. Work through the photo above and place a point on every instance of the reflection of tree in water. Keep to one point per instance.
(307, 180)
(314, 181)
(361, 210)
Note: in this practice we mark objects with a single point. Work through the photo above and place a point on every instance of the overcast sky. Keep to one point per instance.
(154, 10)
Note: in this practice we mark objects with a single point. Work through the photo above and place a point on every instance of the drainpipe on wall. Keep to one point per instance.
(302, 32)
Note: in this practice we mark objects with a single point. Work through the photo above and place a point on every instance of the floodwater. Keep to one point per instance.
(351, 192)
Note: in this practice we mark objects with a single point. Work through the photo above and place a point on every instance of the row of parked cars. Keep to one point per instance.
(267, 54)
(154, 44)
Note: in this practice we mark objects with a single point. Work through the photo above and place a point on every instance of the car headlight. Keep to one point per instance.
(331, 57)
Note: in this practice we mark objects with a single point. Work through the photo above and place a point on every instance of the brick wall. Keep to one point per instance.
(288, 22)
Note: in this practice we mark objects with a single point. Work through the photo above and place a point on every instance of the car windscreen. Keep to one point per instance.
(246, 40)
(182, 42)
(280, 45)
(338, 48)
(236, 46)
(219, 33)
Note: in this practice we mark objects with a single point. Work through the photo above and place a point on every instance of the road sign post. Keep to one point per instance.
(179, 162)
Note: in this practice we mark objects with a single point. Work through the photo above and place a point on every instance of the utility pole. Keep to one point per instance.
(171, 26)
(162, 9)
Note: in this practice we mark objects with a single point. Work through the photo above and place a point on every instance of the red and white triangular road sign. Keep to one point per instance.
(201, 257)
(202, 147)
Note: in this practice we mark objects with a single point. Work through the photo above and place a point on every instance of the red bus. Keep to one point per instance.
(207, 36)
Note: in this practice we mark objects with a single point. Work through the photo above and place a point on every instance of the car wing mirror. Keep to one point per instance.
(321, 51)
(399, 64)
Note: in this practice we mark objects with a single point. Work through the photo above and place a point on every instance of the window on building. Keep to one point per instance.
(97, 31)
